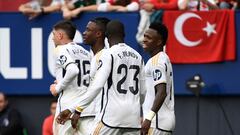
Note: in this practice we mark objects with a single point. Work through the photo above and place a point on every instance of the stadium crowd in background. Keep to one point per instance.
(73, 8)
(105, 6)
(197, 5)
(152, 10)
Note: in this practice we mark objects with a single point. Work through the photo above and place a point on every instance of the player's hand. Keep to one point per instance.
(74, 120)
(145, 127)
(63, 116)
(53, 89)
(55, 82)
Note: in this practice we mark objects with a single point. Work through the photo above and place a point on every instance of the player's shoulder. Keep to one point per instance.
(159, 58)
(74, 49)
(104, 54)
(99, 54)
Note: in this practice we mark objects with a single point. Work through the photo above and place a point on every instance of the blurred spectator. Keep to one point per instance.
(30, 7)
(238, 4)
(203, 5)
(47, 127)
(10, 119)
(227, 4)
(71, 5)
(108, 5)
(152, 8)
(11, 5)
(35, 8)
(151, 5)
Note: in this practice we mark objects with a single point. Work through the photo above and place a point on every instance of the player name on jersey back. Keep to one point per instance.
(127, 54)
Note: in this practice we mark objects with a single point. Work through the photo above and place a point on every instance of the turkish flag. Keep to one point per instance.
(200, 36)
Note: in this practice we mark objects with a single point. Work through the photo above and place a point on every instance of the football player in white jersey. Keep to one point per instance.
(94, 35)
(158, 107)
(123, 69)
(72, 72)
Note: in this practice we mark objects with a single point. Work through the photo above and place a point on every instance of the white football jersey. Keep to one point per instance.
(69, 54)
(125, 71)
(97, 105)
(159, 70)
(122, 68)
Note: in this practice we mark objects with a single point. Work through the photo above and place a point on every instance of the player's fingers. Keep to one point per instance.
(58, 120)
(74, 124)
(62, 122)
(144, 131)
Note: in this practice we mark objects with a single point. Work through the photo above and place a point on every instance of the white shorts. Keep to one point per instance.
(101, 129)
(66, 129)
(154, 131)
(85, 125)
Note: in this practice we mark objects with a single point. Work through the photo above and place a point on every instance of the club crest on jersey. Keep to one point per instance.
(62, 59)
(157, 74)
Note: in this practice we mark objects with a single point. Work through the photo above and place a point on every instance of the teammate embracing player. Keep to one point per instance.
(122, 68)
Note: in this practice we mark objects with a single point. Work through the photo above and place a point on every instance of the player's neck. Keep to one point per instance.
(98, 46)
(156, 51)
(66, 41)
(115, 41)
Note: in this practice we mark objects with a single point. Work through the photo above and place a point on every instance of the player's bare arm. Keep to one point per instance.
(158, 101)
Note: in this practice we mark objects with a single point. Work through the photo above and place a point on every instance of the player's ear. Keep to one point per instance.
(99, 33)
(60, 35)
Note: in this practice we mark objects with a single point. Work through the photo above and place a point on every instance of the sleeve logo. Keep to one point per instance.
(62, 59)
(157, 74)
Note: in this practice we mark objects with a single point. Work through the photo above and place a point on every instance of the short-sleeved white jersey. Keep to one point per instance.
(72, 53)
(159, 70)
(122, 68)
(122, 103)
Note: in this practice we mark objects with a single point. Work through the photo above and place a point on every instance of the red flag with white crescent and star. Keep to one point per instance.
(200, 36)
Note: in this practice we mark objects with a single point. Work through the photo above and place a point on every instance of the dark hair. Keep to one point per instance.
(115, 28)
(161, 30)
(101, 22)
(4, 96)
(54, 100)
(67, 26)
